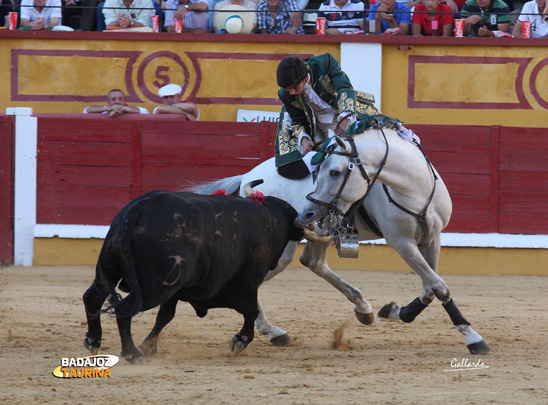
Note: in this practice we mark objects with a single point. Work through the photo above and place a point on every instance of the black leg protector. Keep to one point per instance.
(411, 311)
(454, 313)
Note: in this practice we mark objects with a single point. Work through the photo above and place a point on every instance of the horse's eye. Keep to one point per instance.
(334, 173)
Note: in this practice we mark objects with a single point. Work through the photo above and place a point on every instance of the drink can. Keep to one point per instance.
(526, 27)
(459, 28)
(155, 23)
(179, 26)
(320, 26)
(434, 28)
(12, 21)
(372, 26)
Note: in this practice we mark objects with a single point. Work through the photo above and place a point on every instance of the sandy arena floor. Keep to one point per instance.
(42, 320)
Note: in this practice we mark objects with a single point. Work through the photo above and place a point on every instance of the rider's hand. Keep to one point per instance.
(307, 145)
(341, 129)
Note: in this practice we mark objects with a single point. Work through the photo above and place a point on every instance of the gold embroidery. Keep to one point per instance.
(368, 97)
(325, 80)
(346, 104)
(295, 103)
(287, 139)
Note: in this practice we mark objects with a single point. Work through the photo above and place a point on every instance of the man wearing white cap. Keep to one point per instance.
(172, 95)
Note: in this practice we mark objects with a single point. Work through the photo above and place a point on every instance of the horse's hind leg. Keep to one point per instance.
(149, 347)
(315, 258)
(277, 336)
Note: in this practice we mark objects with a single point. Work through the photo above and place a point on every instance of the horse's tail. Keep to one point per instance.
(230, 184)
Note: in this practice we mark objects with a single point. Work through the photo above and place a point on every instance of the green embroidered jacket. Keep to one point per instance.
(333, 86)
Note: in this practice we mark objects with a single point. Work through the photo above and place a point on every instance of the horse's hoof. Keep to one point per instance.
(479, 348)
(281, 341)
(366, 319)
(387, 311)
(92, 346)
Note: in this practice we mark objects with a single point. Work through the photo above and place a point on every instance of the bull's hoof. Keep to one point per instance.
(387, 312)
(238, 344)
(479, 348)
(136, 360)
(281, 341)
(133, 357)
(92, 345)
(149, 347)
(366, 319)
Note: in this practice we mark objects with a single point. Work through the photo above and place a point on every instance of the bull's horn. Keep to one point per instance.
(248, 188)
(313, 236)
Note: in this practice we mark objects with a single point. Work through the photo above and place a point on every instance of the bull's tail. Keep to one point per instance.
(132, 304)
(230, 184)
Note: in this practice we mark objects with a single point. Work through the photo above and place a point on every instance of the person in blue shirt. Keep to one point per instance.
(391, 17)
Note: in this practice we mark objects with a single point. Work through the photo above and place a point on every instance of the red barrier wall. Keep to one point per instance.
(6, 188)
(89, 167)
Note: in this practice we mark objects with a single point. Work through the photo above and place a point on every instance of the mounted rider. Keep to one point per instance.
(317, 97)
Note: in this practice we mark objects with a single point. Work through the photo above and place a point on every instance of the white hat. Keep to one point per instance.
(170, 90)
(234, 19)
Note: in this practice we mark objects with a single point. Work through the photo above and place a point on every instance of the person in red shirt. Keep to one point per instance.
(432, 18)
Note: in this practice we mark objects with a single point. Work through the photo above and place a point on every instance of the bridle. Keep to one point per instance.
(346, 221)
(354, 162)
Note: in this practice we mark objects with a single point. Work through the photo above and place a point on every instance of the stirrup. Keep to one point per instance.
(348, 243)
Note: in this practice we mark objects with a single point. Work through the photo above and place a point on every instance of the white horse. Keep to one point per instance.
(410, 214)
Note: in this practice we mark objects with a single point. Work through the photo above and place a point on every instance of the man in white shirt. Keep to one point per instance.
(537, 13)
(40, 14)
(128, 13)
(116, 105)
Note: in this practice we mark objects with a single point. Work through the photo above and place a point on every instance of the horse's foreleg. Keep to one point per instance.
(474, 341)
(315, 258)
(277, 336)
(433, 285)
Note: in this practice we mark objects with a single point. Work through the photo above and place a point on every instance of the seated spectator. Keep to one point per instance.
(482, 17)
(116, 105)
(172, 95)
(390, 17)
(40, 14)
(192, 12)
(219, 16)
(342, 16)
(531, 11)
(279, 17)
(427, 13)
(128, 13)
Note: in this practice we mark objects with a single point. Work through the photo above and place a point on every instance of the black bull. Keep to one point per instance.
(164, 247)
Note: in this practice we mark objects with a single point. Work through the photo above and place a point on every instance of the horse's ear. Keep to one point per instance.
(340, 142)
